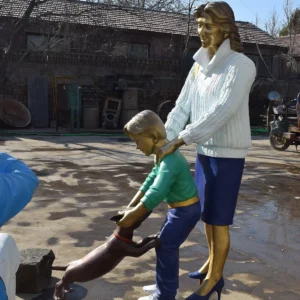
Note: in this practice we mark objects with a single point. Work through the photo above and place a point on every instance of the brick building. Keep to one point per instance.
(136, 55)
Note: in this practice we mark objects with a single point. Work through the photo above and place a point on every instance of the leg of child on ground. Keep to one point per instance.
(178, 225)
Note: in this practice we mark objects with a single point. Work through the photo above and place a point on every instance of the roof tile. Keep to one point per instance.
(88, 13)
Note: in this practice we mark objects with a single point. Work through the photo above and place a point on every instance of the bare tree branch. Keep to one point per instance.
(55, 28)
(288, 12)
(273, 24)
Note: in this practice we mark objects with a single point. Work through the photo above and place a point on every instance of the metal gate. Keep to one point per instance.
(38, 101)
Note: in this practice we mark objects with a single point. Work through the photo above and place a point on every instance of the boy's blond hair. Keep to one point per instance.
(146, 122)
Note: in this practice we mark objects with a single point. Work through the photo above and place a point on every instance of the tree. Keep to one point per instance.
(289, 29)
(14, 29)
(190, 21)
(60, 24)
(257, 20)
(17, 28)
(294, 24)
(272, 24)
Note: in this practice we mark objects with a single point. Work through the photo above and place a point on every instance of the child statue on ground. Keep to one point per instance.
(170, 181)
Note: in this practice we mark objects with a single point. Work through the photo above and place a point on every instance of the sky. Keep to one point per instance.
(246, 10)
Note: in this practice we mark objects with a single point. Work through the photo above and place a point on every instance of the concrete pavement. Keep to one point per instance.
(85, 180)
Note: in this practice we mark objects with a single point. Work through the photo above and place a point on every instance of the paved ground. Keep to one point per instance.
(85, 180)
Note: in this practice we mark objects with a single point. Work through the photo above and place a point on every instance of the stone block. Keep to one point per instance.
(35, 272)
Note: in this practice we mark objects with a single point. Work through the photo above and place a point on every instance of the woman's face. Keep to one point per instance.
(210, 32)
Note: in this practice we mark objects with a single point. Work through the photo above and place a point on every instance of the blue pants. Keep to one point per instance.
(175, 230)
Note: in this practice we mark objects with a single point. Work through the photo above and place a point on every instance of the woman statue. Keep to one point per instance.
(214, 100)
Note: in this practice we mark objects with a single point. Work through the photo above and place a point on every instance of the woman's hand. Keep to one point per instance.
(169, 148)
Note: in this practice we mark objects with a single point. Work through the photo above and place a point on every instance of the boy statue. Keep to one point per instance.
(170, 181)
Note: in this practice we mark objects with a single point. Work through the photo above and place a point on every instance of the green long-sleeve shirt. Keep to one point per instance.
(171, 181)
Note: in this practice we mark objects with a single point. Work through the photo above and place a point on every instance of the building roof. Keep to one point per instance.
(91, 13)
(294, 41)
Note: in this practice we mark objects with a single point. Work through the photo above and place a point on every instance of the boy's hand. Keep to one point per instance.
(122, 212)
(132, 216)
(128, 219)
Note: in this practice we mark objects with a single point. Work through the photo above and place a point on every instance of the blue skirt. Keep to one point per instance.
(218, 181)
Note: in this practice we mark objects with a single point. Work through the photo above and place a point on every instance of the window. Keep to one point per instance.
(41, 43)
(138, 50)
(120, 50)
(260, 66)
(131, 50)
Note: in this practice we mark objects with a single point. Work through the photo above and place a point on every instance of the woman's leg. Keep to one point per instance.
(220, 179)
(219, 253)
(202, 178)
(208, 232)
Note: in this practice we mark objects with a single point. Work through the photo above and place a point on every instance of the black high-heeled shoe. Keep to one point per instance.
(217, 288)
(197, 275)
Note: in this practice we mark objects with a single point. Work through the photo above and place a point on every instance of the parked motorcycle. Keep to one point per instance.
(282, 122)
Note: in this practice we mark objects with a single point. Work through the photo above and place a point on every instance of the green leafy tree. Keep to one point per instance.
(292, 24)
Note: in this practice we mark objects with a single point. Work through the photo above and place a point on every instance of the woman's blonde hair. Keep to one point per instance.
(222, 14)
(146, 122)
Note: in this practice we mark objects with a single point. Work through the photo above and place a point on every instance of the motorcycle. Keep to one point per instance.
(282, 122)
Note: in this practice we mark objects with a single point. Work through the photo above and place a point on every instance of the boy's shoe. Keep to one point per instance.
(150, 297)
(149, 289)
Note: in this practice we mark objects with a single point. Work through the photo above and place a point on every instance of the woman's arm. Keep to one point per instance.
(180, 114)
(237, 85)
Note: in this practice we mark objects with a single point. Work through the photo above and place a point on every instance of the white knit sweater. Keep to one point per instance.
(216, 103)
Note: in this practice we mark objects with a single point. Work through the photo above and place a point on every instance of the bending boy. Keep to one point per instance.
(170, 181)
